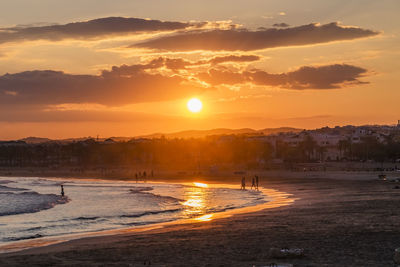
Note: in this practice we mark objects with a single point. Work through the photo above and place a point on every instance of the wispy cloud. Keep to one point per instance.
(91, 29)
(307, 77)
(246, 40)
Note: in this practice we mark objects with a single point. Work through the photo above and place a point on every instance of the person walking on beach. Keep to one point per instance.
(257, 182)
(62, 190)
(253, 183)
(243, 187)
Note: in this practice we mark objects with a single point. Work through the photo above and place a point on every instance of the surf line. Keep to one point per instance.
(276, 199)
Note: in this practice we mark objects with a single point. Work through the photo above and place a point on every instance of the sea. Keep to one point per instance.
(32, 208)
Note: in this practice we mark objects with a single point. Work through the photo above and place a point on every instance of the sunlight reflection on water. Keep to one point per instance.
(195, 201)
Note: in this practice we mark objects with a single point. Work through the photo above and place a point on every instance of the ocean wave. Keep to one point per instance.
(28, 202)
(140, 189)
(4, 188)
(23, 237)
(99, 206)
(146, 222)
(34, 229)
(141, 214)
(144, 192)
(6, 181)
(87, 218)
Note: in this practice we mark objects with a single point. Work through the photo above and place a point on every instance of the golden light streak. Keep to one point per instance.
(200, 185)
(205, 218)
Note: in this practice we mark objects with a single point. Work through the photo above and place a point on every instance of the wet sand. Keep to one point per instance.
(338, 222)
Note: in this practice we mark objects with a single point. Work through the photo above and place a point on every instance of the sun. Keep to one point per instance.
(194, 105)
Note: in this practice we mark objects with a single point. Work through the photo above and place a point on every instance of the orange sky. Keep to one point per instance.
(111, 70)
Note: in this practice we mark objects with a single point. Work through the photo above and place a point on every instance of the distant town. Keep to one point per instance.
(370, 147)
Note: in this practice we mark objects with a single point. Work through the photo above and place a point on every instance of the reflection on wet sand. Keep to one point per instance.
(205, 218)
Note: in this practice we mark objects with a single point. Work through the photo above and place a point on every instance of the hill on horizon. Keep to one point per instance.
(35, 140)
(219, 131)
(180, 134)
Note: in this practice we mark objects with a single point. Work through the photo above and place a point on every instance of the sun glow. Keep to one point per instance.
(194, 105)
(201, 185)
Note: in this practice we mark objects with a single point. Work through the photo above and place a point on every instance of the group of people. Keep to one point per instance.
(143, 175)
(254, 183)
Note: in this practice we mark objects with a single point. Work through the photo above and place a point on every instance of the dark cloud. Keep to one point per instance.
(128, 70)
(246, 40)
(308, 77)
(180, 63)
(89, 29)
(217, 77)
(129, 84)
(281, 25)
(122, 85)
(233, 58)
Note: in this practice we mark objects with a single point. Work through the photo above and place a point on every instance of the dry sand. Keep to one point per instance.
(338, 222)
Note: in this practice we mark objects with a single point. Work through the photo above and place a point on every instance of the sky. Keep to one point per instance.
(128, 67)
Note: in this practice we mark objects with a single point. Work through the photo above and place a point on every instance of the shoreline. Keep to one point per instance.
(275, 199)
(338, 220)
(189, 176)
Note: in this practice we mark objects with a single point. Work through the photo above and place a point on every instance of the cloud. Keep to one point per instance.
(91, 29)
(307, 77)
(218, 77)
(246, 40)
(119, 86)
(234, 58)
(152, 81)
(181, 63)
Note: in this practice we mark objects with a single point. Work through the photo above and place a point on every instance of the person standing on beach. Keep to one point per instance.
(62, 190)
(243, 187)
(257, 182)
(253, 183)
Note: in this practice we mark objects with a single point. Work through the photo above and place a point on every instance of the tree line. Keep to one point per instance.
(219, 151)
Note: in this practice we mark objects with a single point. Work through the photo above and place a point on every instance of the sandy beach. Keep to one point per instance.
(337, 220)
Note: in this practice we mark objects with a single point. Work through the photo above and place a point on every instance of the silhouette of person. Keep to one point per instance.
(253, 183)
(257, 182)
(62, 190)
(243, 187)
